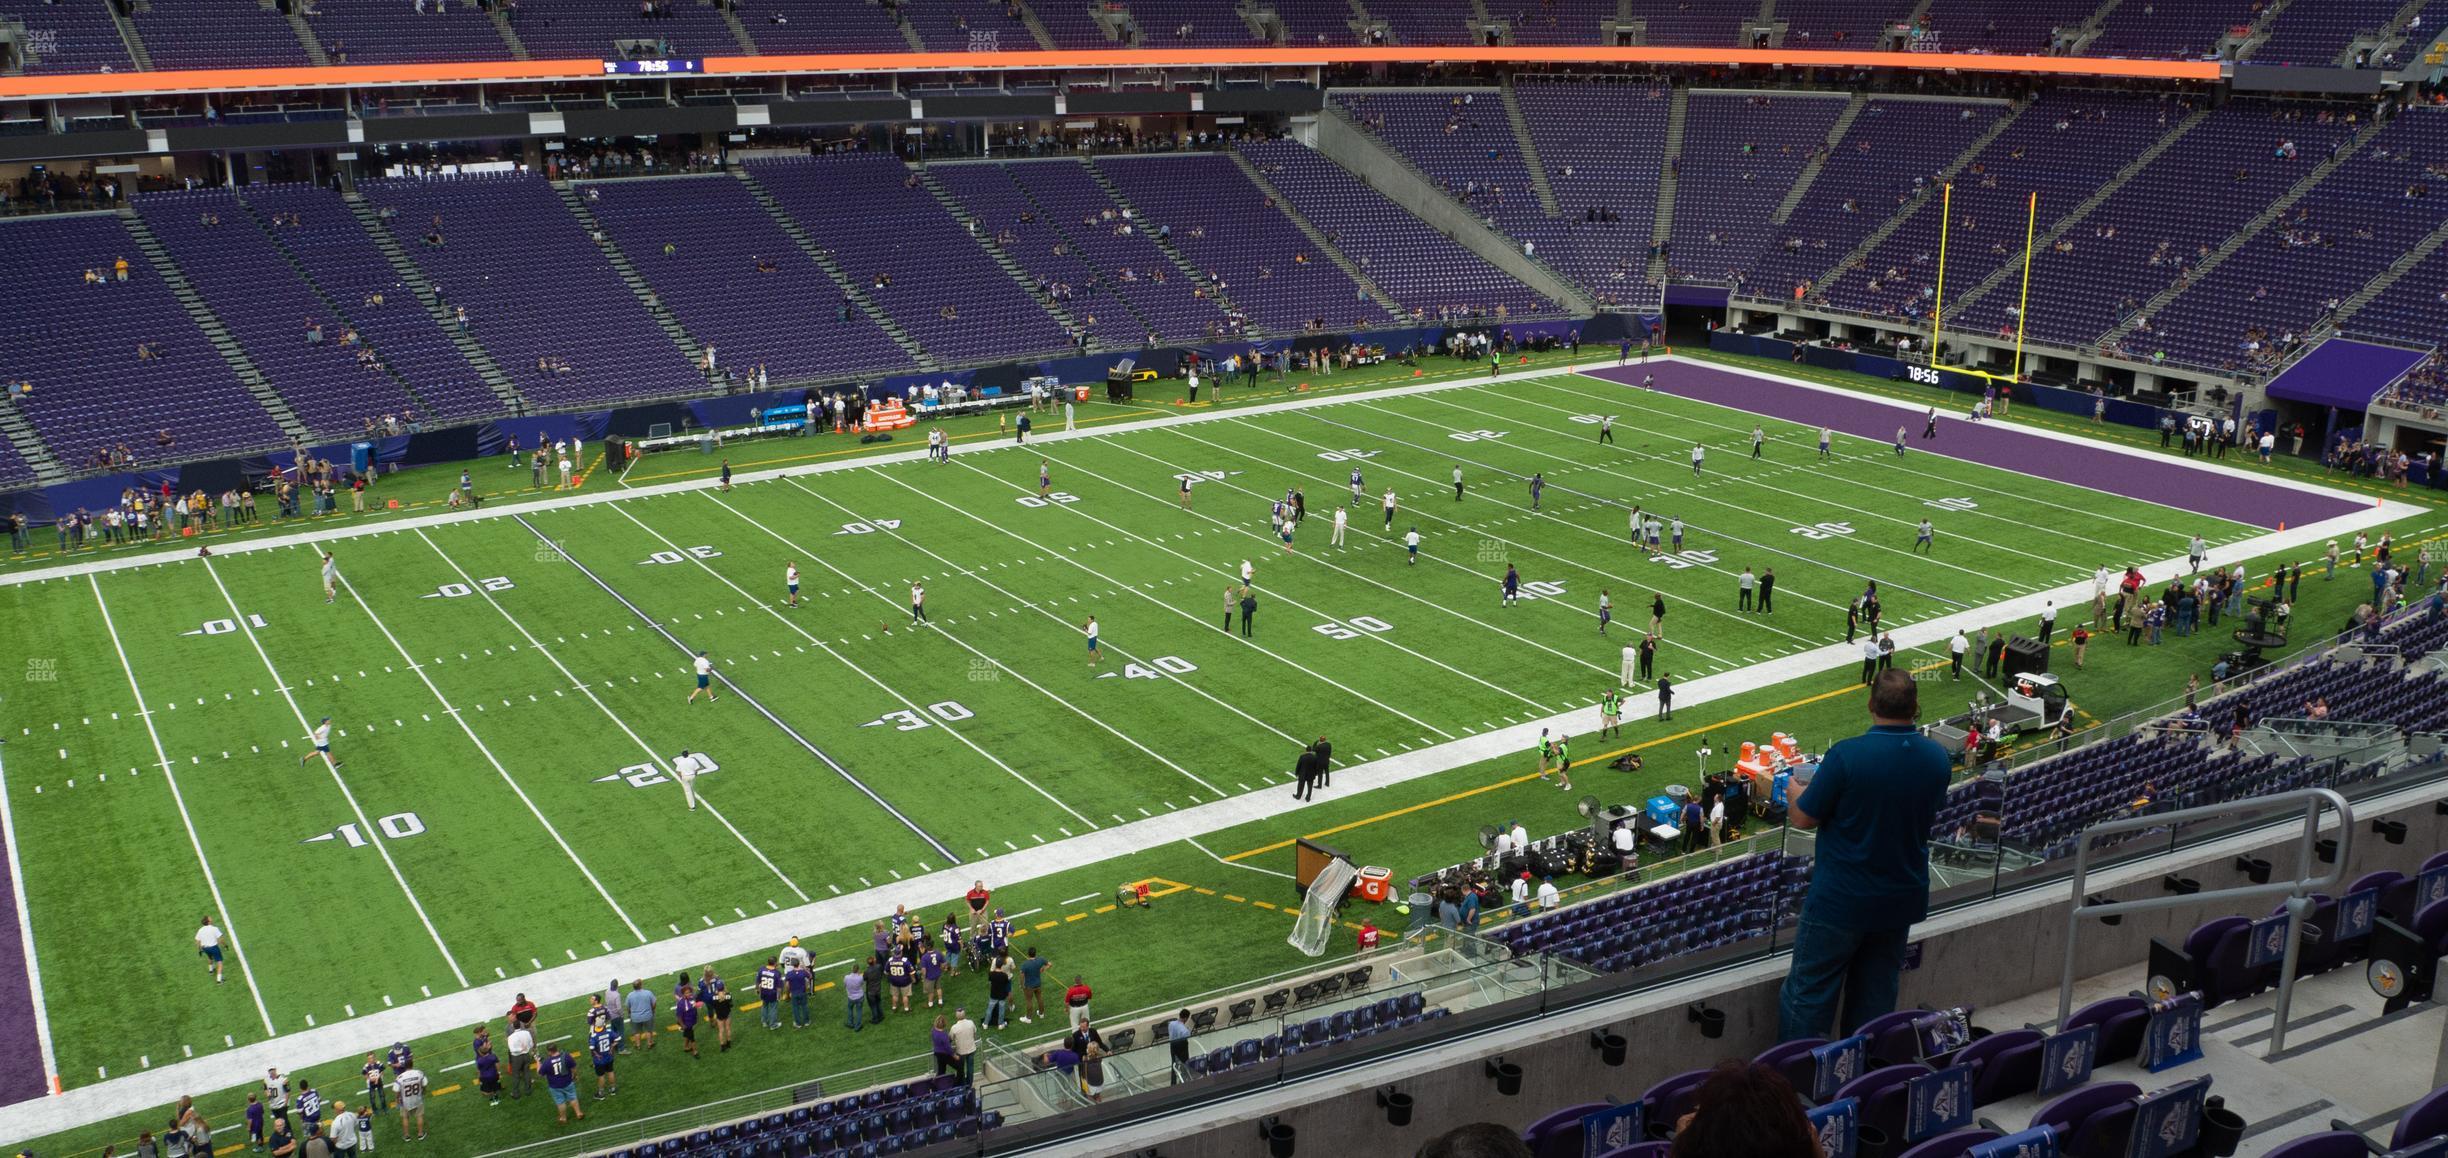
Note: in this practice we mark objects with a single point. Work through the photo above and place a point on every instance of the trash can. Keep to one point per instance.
(1374, 884)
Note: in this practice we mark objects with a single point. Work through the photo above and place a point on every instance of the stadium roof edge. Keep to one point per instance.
(168, 82)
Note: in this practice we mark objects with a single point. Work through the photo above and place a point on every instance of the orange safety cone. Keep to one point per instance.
(2282, 524)
(1415, 371)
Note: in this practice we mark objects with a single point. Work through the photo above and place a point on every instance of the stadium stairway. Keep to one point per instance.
(509, 35)
(2269, 214)
(2381, 281)
(2074, 217)
(210, 323)
(307, 38)
(413, 277)
(824, 261)
(128, 36)
(646, 295)
(986, 241)
(1310, 230)
(1172, 252)
(1662, 225)
(739, 31)
(1869, 244)
(48, 470)
(1810, 170)
(1390, 172)
(1531, 162)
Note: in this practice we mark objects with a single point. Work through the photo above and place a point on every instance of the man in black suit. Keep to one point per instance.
(1325, 762)
(1304, 773)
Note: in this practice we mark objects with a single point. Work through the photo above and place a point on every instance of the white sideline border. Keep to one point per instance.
(89, 1104)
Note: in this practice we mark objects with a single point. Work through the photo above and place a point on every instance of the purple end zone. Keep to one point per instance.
(2147, 478)
(21, 1066)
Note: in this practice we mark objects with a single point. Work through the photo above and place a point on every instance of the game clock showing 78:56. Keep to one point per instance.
(654, 67)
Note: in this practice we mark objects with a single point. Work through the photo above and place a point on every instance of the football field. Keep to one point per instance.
(508, 692)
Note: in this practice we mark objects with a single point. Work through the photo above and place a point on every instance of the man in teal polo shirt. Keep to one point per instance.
(1872, 803)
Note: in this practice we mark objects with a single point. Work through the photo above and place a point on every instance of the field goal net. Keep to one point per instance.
(1327, 876)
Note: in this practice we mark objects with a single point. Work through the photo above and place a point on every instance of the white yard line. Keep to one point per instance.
(1134, 591)
(1378, 637)
(469, 730)
(373, 832)
(657, 627)
(229, 922)
(1193, 841)
(1739, 477)
(1061, 701)
(1315, 557)
(25, 932)
(895, 693)
(1705, 606)
(617, 722)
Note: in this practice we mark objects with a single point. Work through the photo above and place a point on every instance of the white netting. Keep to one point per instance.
(1317, 912)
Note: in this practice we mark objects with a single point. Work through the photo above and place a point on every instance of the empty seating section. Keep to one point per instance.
(2177, 29)
(1855, 25)
(1689, 912)
(1425, 271)
(77, 344)
(1072, 24)
(536, 289)
(2414, 307)
(2358, 220)
(217, 33)
(956, 25)
(1894, 150)
(340, 258)
(1191, 24)
(1603, 147)
(1315, 22)
(2010, 26)
(2223, 171)
(1129, 265)
(71, 36)
(1226, 229)
(1560, 21)
(13, 469)
(789, 320)
(258, 295)
(1428, 21)
(2062, 147)
(1032, 237)
(1742, 153)
(2316, 35)
(867, 210)
(1694, 22)
(582, 29)
(389, 32)
(891, 1120)
(796, 26)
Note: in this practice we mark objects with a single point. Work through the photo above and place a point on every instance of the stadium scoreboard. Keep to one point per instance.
(660, 66)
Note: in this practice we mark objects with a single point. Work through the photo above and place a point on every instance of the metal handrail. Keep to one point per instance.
(2297, 891)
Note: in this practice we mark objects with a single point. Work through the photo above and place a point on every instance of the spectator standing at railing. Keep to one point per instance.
(1872, 803)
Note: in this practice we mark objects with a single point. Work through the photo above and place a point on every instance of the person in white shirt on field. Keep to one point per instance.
(1411, 547)
(1699, 453)
(685, 768)
(790, 580)
(1549, 898)
(1501, 845)
(1521, 837)
(705, 679)
(320, 737)
(411, 1085)
(917, 604)
(208, 946)
(331, 577)
(1247, 572)
(1389, 510)
(1341, 517)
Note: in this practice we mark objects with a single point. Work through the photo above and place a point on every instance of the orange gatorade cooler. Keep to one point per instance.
(1373, 884)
